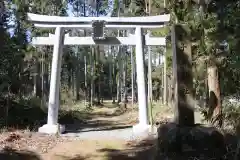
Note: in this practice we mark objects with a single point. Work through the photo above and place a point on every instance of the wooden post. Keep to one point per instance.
(182, 76)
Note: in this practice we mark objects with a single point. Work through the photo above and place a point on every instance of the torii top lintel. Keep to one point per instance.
(111, 22)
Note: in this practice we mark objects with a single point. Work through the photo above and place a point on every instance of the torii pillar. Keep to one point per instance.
(52, 125)
(143, 122)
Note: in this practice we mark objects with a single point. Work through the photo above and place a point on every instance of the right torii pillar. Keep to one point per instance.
(143, 122)
(183, 101)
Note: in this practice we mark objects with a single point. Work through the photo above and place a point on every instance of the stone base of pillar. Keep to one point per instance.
(51, 129)
(142, 129)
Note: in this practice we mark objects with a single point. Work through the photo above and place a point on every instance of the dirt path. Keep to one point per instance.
(104, 148)
(76, 148)
(116, 115)
(105, 117)
(107, 122)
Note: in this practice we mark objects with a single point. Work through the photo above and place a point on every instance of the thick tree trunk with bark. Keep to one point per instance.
(214, 112)
(182, 76)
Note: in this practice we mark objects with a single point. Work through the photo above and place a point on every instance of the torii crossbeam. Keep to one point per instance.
(98, 24)
(86, 22)
(130, 40)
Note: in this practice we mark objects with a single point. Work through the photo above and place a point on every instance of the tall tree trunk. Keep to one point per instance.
(77, 80)
(85, 58)
(110, 71)
(36, 78)
(2, 30)
(119, 80)
(206, 88)
(47, 75)
(150, 85)
(165, 88)
(119, 89)
(92, 74)
(73, 79)
(85, 78)
(215, 110)
(162, 84)
(170, 91)
(122, 74)
(125, 100)
(125, 60)
(42, 81)
(136, 84)
(97, 58)
(76, 72)
(149, 75)
(94, 71)
(113, 77)
(132, 75)
(69, 78)
(2, 11)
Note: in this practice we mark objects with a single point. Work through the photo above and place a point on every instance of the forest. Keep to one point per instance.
(91, 75)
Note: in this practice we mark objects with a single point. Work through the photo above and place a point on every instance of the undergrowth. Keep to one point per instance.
(28, 113)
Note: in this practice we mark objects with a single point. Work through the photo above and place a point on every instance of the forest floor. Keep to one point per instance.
(28, 145)
(79, 144)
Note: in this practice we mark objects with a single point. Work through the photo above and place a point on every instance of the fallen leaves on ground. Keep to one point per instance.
(26, 140)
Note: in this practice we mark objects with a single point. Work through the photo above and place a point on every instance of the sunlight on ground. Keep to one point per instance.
(87, 150)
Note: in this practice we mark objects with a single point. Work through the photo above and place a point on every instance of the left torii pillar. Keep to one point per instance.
(52, 126)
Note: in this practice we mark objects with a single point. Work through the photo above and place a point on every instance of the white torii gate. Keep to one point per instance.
(98, 24)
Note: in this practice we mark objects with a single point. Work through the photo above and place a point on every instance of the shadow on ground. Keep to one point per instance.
(94, 125)
(85, 121)
(10, 154)
(19, 116)
(144, 150)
